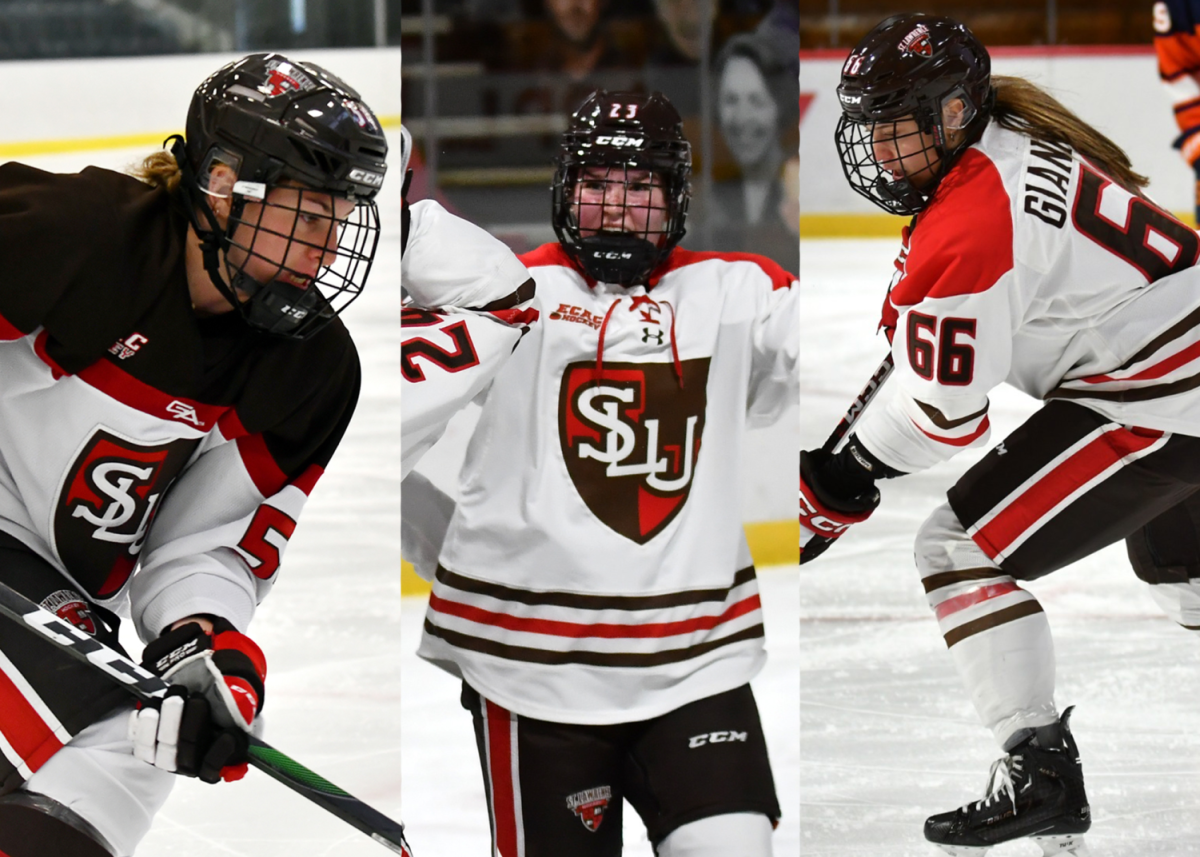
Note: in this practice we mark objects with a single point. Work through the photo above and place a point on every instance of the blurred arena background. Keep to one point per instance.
(841, 23)
(488, 85)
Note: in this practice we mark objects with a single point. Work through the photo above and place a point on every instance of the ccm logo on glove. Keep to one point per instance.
(200, 728)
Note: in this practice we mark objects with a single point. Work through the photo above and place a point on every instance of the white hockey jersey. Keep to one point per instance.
(1031, 266)
(595, 570)
(450, 354)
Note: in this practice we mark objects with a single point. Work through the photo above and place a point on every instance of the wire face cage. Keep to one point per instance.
(619, 220)
(298, 257)
(890, 162)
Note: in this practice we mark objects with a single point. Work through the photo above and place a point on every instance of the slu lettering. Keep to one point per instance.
(620, 440)
(115, 479)
(107, 503)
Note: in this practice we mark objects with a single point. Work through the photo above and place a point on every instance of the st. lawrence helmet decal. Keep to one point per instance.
(107, 501)
(631, 440)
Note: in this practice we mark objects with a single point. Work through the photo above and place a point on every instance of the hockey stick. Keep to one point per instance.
(859, 405)
(817, 544)
(146, 686)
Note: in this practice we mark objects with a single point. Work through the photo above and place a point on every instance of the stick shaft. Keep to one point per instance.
(146, 686)
(859, 405)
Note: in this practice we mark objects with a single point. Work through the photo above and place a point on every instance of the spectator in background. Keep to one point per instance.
(757, 106)
(572, 37)
(683, 27)
(781, 26)
(1178, 47)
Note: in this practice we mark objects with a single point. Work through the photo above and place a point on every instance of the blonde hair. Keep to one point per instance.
(1022, 106)
(158, 170)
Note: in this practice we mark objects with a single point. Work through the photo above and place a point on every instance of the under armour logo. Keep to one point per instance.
(1000, 450)
(647, 334)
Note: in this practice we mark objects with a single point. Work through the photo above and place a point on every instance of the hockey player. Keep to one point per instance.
(595, 592)
(173, 381)
(466, 308)
(1035, 259)
(1177, 44)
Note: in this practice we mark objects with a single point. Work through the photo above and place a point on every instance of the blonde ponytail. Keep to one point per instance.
(1023, 106)
(159, 170)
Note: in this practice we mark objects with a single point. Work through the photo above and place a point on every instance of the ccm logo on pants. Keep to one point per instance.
(715, 738)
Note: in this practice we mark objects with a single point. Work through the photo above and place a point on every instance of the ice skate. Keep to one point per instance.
(1035, 792)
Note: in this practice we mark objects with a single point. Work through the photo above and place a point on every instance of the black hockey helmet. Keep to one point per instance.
(610, 136)
(910, 66)
(278, 123)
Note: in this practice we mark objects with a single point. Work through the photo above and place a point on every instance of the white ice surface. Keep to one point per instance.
(888, 735)
(331, 627)
(444, 801)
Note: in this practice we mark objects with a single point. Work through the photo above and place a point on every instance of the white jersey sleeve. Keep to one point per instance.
(775, 340)
(450, 262)
(448, 358)
(952, 343)
(425, 513)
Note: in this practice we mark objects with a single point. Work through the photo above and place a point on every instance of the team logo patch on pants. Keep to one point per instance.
(589, 805)
(70, 606)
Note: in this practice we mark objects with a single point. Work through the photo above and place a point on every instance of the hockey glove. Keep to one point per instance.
(200, 728)
(833, 496)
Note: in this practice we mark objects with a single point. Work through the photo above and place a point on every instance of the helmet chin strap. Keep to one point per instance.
(209, 232)
(618, 257)
(900, 191)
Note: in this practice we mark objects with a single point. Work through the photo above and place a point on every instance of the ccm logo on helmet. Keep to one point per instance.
(715, 738)
(620, 140)
(364, 177)
(849, 99)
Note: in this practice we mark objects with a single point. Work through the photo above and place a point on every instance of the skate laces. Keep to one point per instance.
(1000, 782)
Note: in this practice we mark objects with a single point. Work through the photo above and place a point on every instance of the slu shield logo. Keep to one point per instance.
(631, 440)
(589, 805)
(108, 499)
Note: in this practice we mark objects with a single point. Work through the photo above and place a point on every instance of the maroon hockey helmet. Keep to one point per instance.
(276, 123)
(910, 67)
(611, 138)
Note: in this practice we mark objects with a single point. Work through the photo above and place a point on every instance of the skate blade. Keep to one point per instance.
(1071, 843)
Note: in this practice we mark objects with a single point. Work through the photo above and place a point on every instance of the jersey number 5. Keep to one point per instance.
(267, 520)
(943, 350)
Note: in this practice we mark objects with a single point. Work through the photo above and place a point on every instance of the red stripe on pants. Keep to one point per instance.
(24, 728)
(1040, 498)
(961, 602)
(500, 764)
